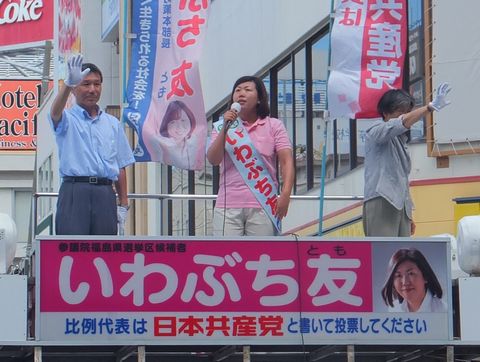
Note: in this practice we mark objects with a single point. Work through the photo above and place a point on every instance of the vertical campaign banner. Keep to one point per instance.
(69, 37)
(368, 46)
(165, 102)
(242, 291)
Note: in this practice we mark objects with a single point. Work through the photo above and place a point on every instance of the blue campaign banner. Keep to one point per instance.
(165, 101)
(140, 84)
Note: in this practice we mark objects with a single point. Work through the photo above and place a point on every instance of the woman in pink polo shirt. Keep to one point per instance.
(246, 202)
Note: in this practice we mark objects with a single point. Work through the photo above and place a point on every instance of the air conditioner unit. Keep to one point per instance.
(8, 242)
(468, 239)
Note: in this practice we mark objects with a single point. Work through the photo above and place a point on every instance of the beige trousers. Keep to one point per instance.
(380, 218)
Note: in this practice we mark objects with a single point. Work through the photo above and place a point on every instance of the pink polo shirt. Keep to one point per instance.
(269, 136)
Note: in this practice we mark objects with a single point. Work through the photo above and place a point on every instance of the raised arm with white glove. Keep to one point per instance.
(440, 99)
(74, 77)
(75, 74)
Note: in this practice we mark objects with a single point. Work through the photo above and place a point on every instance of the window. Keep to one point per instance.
(285, 105)
(319, 64)
(45, 184)
(342, 146)
(179, 208)
(23, 202)
(300, 121)
(362, 126)
(416, 63)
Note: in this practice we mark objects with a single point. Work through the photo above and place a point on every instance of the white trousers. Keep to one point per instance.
(242, 222)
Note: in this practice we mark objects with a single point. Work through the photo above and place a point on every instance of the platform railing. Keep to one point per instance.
(185, 197)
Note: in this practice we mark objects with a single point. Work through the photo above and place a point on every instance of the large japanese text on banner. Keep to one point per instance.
(195, 291)
(165, 103)
(368, 45)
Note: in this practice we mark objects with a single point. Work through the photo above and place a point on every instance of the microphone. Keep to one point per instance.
(236, 107)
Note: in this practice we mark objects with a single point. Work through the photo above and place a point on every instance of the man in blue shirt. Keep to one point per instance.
(93, 152)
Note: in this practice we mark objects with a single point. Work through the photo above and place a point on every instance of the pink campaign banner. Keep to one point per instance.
(233, 291)
(164, 94)
(114, 276)
(368, 46)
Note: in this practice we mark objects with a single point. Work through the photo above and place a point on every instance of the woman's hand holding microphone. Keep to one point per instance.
(231, 115)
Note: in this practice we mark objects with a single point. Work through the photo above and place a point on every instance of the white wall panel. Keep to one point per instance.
(103, 55)
(13, 308)
(245, 35)
(456, 59)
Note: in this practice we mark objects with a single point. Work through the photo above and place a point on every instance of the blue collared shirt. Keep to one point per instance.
(387, 164)
(91, 146)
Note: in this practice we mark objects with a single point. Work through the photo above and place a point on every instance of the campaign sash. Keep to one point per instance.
(249, 163)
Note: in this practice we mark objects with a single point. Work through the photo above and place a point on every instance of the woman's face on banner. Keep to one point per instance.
(409, 282)
(179, 127)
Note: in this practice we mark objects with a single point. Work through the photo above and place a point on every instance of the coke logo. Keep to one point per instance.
(18, 12)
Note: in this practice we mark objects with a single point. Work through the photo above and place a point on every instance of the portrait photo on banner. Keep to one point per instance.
(174, 136)
(405, 273)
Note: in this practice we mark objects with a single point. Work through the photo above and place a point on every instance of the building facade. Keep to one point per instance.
(287, 45)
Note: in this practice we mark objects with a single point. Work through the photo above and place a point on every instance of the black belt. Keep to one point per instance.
(90, 179)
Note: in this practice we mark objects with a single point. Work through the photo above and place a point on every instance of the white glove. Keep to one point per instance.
(122, 212)
(440, 100)
(75, 74)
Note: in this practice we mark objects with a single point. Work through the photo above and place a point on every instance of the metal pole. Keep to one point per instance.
(161, 217)
(37, 354)
(124, 44)
(351, 353)
(162, 197)
(326, 118)
(141, 354)
(322, 185)
(33, 224)
(246, 353)
(46, 70)
(450, 354)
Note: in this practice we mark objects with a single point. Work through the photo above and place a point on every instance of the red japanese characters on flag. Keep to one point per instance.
(368, 46)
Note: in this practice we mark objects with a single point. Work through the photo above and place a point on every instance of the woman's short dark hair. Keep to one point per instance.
(389, 294)
(395, 100)
(93, 69)
(172, 112)
(263, 109)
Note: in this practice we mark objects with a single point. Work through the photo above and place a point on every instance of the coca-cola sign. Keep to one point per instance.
(25, 21)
